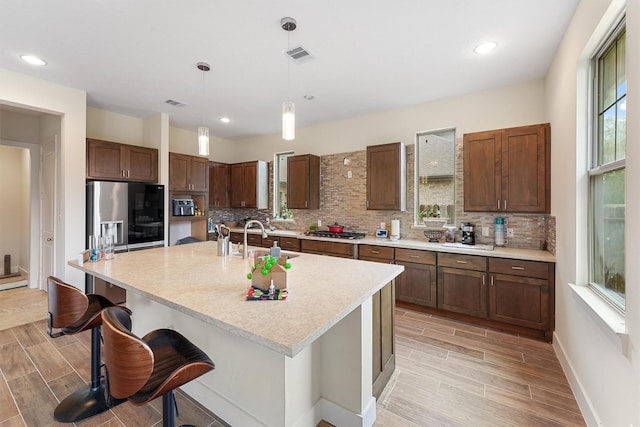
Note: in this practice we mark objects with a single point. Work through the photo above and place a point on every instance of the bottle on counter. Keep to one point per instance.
(499, 231)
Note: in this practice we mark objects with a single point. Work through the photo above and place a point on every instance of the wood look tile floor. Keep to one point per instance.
(448, 374)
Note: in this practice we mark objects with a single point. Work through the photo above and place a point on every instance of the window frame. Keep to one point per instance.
(276, 214)
(598, 169)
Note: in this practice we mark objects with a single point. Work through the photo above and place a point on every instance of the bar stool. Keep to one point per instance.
(141, 370)
(72, 311)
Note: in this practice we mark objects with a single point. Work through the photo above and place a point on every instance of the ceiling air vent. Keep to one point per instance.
(298, 54)
(175, 103)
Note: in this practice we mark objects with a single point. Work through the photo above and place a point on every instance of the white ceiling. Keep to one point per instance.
(130, 56)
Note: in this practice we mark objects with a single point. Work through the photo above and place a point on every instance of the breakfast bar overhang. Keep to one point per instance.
(278, 363)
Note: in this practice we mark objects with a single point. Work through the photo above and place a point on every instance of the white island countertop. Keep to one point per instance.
(192, 279)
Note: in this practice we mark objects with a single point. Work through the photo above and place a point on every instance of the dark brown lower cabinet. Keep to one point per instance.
(418, 283)
(113, 293)
(323, 247)
(462, 291)
(384, 359)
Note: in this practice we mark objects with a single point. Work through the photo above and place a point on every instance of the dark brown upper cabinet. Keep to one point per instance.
(219, 185)
(303, 182)
(113, 161)
(387, 177)
(508, 170)
(249, 185)
(188, 173)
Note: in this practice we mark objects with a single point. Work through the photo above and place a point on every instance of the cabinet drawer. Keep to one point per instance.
(254, 239)
(415, 255)
(327, 248)
(466, 262)
(267, 242)
(516, 267)
(290, 244)
(378, 252)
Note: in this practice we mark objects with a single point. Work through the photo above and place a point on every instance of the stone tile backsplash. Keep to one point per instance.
(343, 201)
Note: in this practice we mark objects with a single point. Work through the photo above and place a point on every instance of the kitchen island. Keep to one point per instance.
(278, 363)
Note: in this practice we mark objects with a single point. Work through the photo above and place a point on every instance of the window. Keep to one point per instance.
(607, 171)
(435, 175)
(280, 210)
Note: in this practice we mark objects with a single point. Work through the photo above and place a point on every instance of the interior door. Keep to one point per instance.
(48, 186)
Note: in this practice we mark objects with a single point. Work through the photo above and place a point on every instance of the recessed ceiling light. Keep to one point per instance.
(33, 60)
(485, 47)
(224, 119)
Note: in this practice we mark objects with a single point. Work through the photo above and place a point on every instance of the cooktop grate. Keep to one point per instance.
(344, 235)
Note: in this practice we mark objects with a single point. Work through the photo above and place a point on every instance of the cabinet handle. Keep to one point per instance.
(414, 256)
(123, 173)
(492, 280)
(505, 204)
(375, 252)
(462, 262)
(498, 203)
(517, 268)
(483, 280)
(128, 173)
(306, 204)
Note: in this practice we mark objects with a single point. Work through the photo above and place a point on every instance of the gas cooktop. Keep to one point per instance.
(344, 235)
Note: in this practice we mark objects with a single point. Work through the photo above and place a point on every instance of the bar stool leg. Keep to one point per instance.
(91, 399)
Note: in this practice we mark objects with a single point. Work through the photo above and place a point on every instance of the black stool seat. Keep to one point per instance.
(72, 311)
(141, 370)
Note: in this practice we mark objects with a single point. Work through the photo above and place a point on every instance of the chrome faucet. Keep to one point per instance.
(245, 251)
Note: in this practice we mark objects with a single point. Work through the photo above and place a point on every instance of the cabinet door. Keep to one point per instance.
(482, 171)
(417, 284)
(525, 174)
(104, 160)
(219, 180)
(237, 185)
(141, 163)
(384, 362)
(303, 182)
(383, 177)
(179, 172)
(199, 174)
(250, 185)
(462, 291)
(519, 301)
(290, 244)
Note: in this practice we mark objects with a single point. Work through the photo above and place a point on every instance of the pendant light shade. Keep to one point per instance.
(203, 132)
(288, 108)
(288, 121)
(203, 141)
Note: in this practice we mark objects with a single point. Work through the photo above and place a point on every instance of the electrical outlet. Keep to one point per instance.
(509, 232)
(485, 231)
(349, 174)
(319, 223)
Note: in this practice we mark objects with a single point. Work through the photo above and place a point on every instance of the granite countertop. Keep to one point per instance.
(193, 280)
(497, 252)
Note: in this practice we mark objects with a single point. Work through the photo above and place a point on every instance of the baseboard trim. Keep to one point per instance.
(584, 403)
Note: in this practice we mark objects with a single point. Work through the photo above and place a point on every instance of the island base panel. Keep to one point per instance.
(323, 381)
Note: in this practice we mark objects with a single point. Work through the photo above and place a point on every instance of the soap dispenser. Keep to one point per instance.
(275, 250)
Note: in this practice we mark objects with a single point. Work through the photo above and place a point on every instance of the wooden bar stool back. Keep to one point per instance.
(142, 369)
(72, 311)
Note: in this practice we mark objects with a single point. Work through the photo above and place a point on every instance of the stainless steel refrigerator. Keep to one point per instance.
(133, 213)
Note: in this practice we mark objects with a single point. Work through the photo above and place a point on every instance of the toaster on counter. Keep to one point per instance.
(184, 207)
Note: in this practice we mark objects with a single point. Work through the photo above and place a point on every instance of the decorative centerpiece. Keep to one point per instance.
(430, 216)
(269, 278)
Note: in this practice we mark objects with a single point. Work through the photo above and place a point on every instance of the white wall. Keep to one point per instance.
(605, 381)
(30, 93)
(509, 106)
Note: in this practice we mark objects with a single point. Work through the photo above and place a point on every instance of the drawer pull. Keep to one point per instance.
(461, 262)
(492, 280)
(517, 268)
(414, 256)
(375, 252)
(483, 276)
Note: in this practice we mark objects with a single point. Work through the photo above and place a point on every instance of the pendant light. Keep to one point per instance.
(288, 107)
(203, 132)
